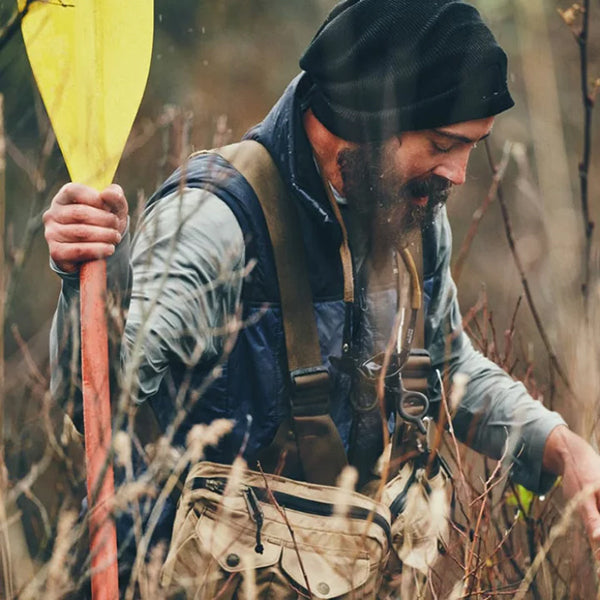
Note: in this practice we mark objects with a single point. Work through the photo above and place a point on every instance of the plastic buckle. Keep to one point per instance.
(416, 371)
(310, 389)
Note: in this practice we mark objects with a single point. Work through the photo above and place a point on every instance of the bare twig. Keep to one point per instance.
(480, 212)
(572, 16)
(289, 527)
(557, 531)
(494, 353)
(35, 471)
(14, 22)
(484, 496)
(584, 165)
(525, 283)
(509, 335)
(4, 541)
(451, 428)
(34, 370)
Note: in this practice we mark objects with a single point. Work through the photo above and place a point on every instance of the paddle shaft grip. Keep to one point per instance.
(97, 429)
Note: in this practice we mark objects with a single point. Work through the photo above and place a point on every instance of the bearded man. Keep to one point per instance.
(368, 140)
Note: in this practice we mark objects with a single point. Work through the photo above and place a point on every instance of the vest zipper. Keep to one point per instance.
(314, 507)
(256, 514)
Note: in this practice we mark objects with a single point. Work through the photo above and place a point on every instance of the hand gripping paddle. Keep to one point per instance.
(90, 59)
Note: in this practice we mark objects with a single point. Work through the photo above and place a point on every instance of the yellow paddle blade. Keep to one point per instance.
(90, 59)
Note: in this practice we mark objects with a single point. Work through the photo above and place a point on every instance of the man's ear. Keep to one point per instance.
(326, 147)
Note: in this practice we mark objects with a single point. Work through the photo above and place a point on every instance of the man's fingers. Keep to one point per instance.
(591, 517)
(75, 233)
(113, 198)
(76, 193)
(81, 213)
(69, 256)
(83, 224)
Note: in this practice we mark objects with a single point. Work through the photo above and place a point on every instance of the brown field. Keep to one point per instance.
(217, 68)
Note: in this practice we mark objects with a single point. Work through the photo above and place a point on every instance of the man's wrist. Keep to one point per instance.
(556, 450)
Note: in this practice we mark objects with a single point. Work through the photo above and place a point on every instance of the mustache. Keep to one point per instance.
(432, 186)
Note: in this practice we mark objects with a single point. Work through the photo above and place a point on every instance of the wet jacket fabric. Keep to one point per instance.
(202, 251)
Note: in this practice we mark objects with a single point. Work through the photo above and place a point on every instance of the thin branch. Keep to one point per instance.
(14, 23)
(536, 316)
(32, 367)
(567, 515)
(280, 510)
(571, 16)
(479, 213)
(584, 165)
(488, 485)
(5, 561)
(509, 334)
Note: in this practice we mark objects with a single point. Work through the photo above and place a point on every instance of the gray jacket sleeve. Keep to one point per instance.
(188, 267)
(180, 285)
(65, 354)
(496, 412)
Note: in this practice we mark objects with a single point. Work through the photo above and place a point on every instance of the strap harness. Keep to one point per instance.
(309, 443)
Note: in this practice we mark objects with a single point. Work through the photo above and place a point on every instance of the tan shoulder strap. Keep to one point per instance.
(405, 440)
(416, 250)
(414, 373)
(319, 445)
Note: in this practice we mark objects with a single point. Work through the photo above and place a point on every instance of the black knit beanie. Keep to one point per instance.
(380, 67)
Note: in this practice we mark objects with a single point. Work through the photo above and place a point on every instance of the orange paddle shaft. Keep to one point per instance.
(97, 424)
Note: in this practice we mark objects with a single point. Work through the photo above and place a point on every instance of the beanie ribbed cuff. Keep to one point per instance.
(445, 109)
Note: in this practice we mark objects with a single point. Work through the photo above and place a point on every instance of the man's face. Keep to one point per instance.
(397, 185)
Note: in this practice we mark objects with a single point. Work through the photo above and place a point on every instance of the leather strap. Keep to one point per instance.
(320, 450)
(405, 441)
(416, 250)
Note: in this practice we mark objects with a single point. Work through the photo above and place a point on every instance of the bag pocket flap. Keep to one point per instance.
(233, 547)
(329, 575)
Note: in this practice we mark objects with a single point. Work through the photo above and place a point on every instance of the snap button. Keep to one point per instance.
(323, 588)
(232, 560)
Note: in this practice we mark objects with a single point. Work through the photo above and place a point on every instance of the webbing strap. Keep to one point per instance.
(320, 448)
(414, 374)
(345, 255)
(416, 249)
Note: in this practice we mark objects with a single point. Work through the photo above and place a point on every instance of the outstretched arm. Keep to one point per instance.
(496, 411)
(569, 455)
(496, 415)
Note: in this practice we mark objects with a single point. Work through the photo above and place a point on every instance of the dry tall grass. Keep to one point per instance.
(504, 542)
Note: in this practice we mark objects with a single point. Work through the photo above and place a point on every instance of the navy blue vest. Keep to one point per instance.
(250, 385)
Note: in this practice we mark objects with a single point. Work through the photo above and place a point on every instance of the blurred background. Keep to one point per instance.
(217, 68)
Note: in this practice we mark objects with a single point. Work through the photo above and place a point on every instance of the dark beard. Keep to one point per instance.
(382, 202)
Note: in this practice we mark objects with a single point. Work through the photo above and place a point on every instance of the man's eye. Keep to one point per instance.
(441, 147)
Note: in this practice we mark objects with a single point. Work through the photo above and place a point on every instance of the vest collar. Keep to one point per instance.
(282, 133)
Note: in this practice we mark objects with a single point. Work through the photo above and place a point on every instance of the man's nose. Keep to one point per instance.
(454, 167)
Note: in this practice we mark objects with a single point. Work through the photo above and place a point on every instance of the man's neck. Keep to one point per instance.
(326, 147)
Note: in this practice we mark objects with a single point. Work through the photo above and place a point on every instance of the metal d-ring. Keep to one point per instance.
(412, 407)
